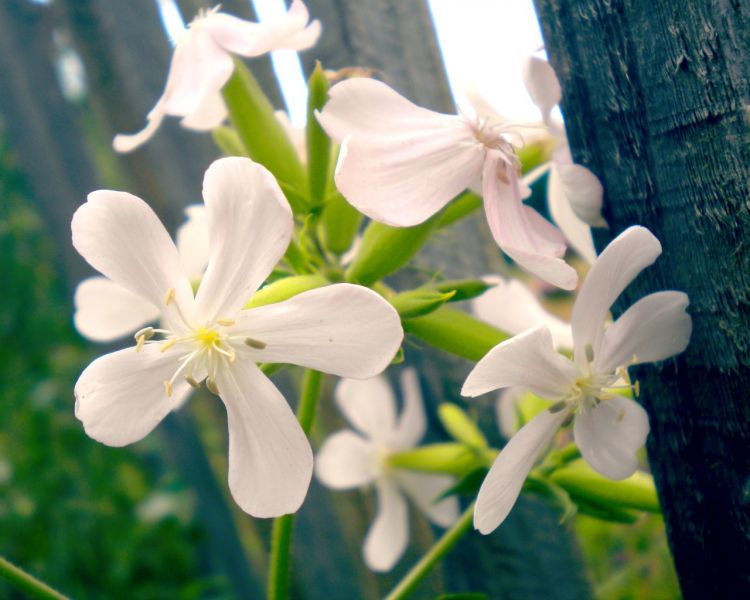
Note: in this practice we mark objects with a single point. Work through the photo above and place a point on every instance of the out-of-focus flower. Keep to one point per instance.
(350, 459)
(609, 428)
(342, 329)
(202, 63)
(400, 164)
(105, 311)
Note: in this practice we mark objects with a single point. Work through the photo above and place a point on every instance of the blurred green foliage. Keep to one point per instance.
(93, 521)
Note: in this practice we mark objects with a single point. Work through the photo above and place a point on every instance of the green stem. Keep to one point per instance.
(281, 537)
(419, 571)
(27, 583)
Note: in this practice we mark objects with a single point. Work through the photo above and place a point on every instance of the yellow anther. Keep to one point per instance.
(211, 385)
(169, 297)
(167, 345)
(192, 382)
(637, 388)
(620, 416)
(207, 336)
(168, 387)
(257, 344)
(634, 359)
(225, 322)
(141, 336)
(139, 341)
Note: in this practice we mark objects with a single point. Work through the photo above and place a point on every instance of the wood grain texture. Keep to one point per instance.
(655, 96)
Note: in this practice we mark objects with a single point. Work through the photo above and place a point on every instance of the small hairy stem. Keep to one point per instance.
(281, 537)
(419, 571)
(27, 583)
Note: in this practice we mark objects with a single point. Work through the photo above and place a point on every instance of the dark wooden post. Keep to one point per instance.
(656, 97)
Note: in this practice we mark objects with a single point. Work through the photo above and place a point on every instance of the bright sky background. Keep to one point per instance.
(484, 43)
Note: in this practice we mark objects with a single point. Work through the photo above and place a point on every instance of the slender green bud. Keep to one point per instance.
(318, 142)
(450, 458)
(419, 302)
(339, 224)
(283, 289)
(465, 289)
(459, 426)
(229, 142)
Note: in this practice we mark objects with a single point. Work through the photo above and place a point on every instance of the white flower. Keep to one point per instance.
(350, 459)
(342, 329)
(609, 428)
(202, 63)
(400, 164)
(574, 194)
(105, 311)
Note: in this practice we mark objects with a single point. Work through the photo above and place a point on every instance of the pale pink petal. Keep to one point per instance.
(609, 434)
(503, 483)
(249, 228)
(343, 329)
(412, 423)
(105, 311)
(120, 236)
(512, 307)
(369, 405)
(121, 397)
(575, 230)
(345, 461)
(209, 114)
(125, 143)
(270, 460)
(527, 360)
(621, 261)
(520, 231)
(542, 84)
(654, 328)
(231, 33)
(389, 533)
(424, 489)
(506, 411)
(192, 242)
(584, 192)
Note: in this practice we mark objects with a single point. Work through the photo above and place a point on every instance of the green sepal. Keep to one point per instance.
(252, 115)
(318, 142)
(460, 207)
(384, 250)
(451, 458)
(610, 513)
(636, 492)
(554, 492)
(459, 426)
(339, 224)
(283, 289)
(399, 358)
(467, 485)
(465, 289)
(229, 142)
(419, 302)
(464, 596)
(456, 332)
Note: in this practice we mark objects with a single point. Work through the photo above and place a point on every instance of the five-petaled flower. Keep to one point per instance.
(609, 428)
(342, 329)
(350, 459)
(202, 63)
(400, 164)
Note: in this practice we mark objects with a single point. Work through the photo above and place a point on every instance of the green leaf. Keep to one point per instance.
(318, 142)
(283, 289)
(465, 289)
(460, 427)
(636, 492)
(229, 142)
(251, 114)
(456, 332)
(461, 207)
(384, 250)
(416, 303)
(339, 224)
(610, 513)
(464, 596)
(450, 458)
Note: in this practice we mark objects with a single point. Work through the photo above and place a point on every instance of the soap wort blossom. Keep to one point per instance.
(350, 459)
(400, 164)
(342, 329)
(609, 428)
(202, 63)
(105, 311)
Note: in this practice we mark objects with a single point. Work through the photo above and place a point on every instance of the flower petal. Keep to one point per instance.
(514, 308)
(387, 538)
(620, 262)
(124, 142)
(506, 411)
(412, 423)
(369, 405)
(584, 192)
(120, 236)
(345, 461)
(249, 228)
(575, 230)
(120, 397)
(609, 435)
(192, 242)
(654, 328)
(424, 489)
(270, 459)
(522, 233)
(503, 483)
(542, 84)
(105, 311)
(343, 329)
(208, 115)
(527, 360)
